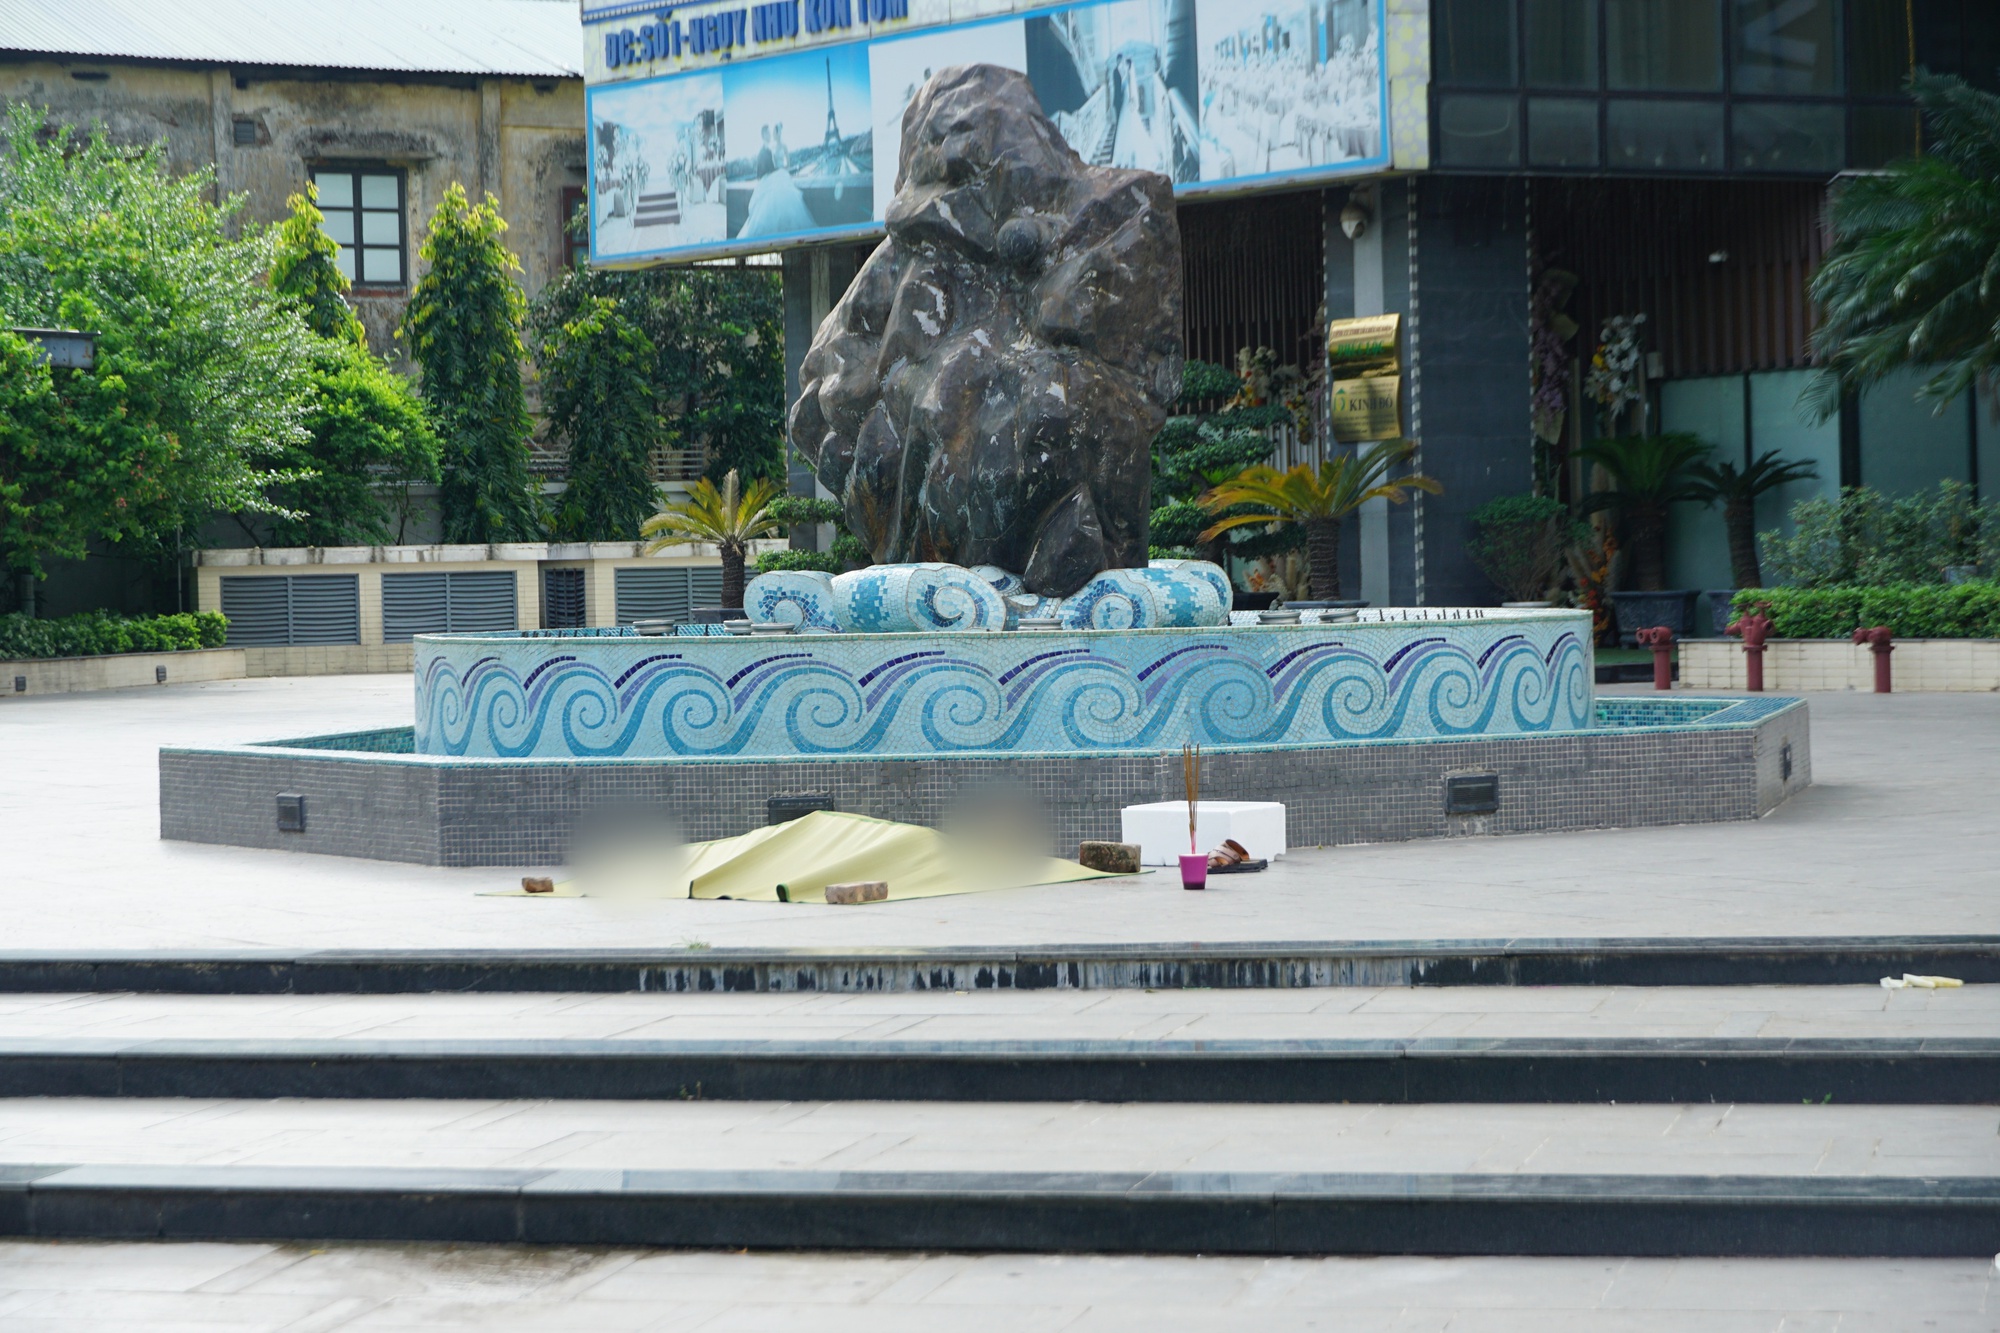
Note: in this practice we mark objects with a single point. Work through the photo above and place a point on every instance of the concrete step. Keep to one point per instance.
(1940, 1072)
(1635, 961)
(1467, 1044)
(1516, 1180)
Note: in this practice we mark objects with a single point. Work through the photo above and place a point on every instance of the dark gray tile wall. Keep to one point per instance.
(497, 812)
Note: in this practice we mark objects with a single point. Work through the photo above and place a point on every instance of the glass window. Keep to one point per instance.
(1664, 136)
(1879, 46)
(1786, 46)
(1882, 134)
(1562, 43)
(1474, 42)
(1785, 136)
(1664, 44)
(1562, 132)
(1478, 131)
(365, 209)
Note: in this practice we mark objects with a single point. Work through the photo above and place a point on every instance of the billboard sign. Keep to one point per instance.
(723, 128)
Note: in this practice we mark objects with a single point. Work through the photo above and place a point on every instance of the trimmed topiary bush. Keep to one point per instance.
(96, 633)
(1910, 610)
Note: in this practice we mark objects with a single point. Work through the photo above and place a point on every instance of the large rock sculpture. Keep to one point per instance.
(987, 391)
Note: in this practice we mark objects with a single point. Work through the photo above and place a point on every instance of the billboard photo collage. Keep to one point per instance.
(804, 146)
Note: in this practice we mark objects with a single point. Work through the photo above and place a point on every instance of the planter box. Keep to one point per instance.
(1645, 610)
(1791, 665)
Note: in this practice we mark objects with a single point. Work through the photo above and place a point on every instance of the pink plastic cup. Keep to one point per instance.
(1194, 872)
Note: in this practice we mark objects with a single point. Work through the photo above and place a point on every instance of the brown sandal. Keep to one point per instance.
(1233, 858)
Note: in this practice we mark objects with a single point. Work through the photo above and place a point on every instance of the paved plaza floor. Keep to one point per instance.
(1895, 837)
(69, 1288)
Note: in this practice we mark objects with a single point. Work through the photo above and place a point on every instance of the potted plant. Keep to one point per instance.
(1318, 500)
(731, 518)
(1648, 474)
(1736, 489)
(1522, 542)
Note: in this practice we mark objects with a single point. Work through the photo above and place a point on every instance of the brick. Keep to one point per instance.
(1117, 858)
(861, 891)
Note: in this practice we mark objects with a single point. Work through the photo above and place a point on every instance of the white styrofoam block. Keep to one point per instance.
(1161, 828)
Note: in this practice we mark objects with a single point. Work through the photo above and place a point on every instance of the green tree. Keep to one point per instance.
(1736, 489)
(730, 518)
(464, 330)
(689, 359)
(596, 371)
(1912, 275)
(199, 391)
(367, 432)
(1649, 474)
(723, 336)
(1316, 500)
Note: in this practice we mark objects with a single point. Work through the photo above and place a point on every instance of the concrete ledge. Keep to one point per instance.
(338, 659)
(1275, 964)
(1895, 1071)
(1738, 761)
(118, 671)
(1919, 665)
(1049, 1212)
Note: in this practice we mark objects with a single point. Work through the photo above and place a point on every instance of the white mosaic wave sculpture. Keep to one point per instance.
(902, 599)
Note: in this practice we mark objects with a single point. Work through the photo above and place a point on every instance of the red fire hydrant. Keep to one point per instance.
(1753, 629)
(1661, 640)
(1877, 639)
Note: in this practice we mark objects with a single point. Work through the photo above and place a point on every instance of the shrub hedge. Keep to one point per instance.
(98, 632)
(1910, 610)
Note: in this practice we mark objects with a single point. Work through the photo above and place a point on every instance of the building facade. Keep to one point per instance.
(383, 109)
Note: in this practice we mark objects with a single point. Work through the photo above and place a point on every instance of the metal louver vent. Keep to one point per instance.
(258, 612)
(665, 594)
(562, 599)
(292, 609)
(435, 603)
(482, 602)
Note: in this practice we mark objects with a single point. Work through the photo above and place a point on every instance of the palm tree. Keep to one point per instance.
(1648, 473)
(1912, 277)
(1317, 500)
(1737, 489)
(731, 518)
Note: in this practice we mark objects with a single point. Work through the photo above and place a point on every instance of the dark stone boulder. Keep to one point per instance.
(988, 389)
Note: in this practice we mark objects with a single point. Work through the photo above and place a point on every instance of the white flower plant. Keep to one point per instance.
(1616, 381)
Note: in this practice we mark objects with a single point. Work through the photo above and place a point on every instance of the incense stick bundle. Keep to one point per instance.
(1191, 779)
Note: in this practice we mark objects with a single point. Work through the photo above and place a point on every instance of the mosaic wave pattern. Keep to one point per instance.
(506, 696)
(900, 599)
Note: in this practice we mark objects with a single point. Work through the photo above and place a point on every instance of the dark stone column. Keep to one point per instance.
(815, 279)
(1469, 389)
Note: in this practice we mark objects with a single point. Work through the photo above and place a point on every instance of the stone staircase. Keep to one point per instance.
(894, 1101)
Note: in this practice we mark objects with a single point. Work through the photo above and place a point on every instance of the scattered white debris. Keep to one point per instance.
(1911, 980)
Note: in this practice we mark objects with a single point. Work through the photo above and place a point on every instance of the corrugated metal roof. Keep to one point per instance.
(521, 37)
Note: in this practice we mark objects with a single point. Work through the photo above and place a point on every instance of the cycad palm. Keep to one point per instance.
(730, 518)
(1649, 473)
(1317, 499)
(1737, 489)
(1912, 277)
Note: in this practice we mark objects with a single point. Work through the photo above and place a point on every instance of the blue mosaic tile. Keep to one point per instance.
(1103, 692)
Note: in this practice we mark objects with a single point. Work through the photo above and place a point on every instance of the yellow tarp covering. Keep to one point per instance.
(828, 847)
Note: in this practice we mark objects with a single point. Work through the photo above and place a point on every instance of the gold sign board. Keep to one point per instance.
(1367, 409)
(1365, 346)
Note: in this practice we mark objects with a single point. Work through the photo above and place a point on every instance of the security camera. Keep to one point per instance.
(1353, 220)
